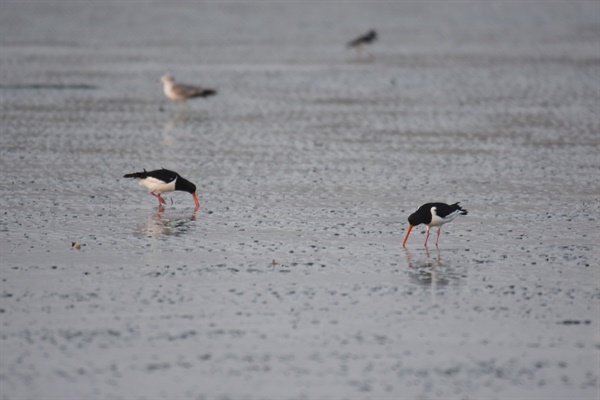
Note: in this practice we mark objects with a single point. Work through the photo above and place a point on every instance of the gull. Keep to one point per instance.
(180, 92)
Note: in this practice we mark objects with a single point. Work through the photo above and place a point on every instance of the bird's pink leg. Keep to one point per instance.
(160, 199)
(438, 237)
(426, 236)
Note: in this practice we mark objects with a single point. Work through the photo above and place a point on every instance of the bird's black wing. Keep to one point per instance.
(444, 209)
(162, 174)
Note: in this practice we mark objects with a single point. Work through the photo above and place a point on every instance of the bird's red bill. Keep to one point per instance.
(406, 237)
(196, 200)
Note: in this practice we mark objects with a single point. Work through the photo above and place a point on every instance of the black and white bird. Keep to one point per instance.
(161, 181)
(179, 92)
(433, 214)
(363, 40)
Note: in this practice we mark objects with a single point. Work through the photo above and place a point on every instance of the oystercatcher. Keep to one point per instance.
(179, 92)
(161, 181)
(433, 214)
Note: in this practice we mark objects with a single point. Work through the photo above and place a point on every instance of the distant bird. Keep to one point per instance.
(162, 180)
(433, 214)
(179, 92)
(363, 40)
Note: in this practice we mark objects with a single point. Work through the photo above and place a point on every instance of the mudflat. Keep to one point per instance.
(290, 281)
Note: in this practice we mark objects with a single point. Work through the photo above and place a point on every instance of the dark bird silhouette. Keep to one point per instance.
(363, 40)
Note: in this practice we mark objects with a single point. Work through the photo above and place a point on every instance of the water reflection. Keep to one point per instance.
(161, 224)
(177, 118)
(423, 263)
(430, 270)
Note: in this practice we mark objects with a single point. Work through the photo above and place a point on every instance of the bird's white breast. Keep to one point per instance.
(169, 92)
(158, 186)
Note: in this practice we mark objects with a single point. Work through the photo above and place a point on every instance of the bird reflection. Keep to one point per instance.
(429, 271)
(162, 224)
(428, 262)
(177, 118)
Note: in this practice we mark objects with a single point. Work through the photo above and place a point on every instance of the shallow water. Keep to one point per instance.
(290, 281)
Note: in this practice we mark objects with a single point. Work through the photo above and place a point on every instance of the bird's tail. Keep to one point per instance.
(137, 175)
(459, 208)
(207, 92)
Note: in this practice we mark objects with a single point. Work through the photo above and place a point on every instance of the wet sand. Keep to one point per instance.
(290, 282)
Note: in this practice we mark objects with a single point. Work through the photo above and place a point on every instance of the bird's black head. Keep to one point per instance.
(184, 185)
(413, 219)
(423, 214)
(416, 218)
